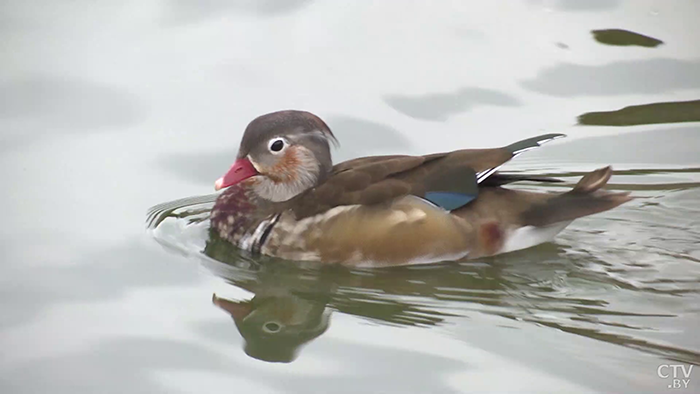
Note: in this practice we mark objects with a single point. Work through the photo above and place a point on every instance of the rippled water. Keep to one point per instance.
(626, 277)
(108, 108)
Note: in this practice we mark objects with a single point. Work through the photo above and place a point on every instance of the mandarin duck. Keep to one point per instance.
(284, 198)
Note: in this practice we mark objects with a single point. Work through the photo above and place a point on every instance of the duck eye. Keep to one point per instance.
(276, 145)
(271, 327)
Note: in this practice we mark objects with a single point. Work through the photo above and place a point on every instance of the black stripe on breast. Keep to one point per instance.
(258, 244)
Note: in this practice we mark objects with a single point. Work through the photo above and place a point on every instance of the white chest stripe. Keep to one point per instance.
(252, 241)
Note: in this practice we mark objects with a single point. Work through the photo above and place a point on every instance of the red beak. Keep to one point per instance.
(238, 310)
(240, 170)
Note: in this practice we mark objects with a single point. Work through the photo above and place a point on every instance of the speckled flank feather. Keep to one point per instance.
(409, 230)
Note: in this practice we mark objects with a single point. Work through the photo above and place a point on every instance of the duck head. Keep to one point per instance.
(275, 328)
(281, 155)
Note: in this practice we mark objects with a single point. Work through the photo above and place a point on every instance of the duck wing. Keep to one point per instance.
(449, 180)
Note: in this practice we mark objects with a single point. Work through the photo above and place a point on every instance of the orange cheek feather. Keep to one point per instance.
(285, 169)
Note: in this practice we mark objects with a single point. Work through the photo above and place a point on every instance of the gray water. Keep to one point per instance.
(109, 108)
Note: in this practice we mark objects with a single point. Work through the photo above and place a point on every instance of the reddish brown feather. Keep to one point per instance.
(285, 169)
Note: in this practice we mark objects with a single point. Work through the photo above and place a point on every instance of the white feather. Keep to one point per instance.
(529, 236)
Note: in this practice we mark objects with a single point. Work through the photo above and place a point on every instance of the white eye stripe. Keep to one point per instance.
(276, 145)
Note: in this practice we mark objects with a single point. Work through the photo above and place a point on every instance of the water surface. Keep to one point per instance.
(107, 109)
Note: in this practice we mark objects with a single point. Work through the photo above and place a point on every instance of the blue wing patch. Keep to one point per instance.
(449, 200)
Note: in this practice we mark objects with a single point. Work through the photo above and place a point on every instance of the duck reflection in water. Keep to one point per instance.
(293, 303)
(274, 327)
(286, 312)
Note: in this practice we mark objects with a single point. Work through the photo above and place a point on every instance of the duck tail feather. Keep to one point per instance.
(586, 198)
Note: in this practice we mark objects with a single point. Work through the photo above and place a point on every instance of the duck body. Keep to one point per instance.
(285, 199)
